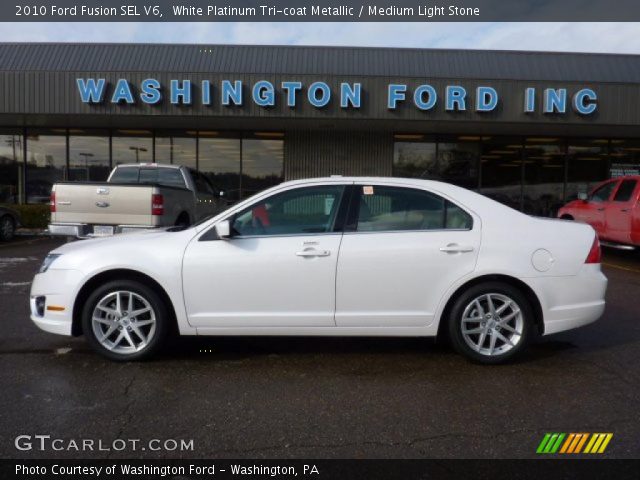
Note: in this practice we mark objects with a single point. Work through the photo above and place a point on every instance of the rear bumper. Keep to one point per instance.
(85, 230)
(572, 301)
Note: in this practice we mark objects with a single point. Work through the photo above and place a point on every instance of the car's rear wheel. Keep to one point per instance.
(125, 320)
(7, 228)
(491, 322)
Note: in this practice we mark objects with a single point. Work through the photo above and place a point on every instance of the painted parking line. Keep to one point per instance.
(621, 267)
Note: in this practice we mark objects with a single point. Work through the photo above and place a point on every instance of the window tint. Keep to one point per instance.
(301, 211)
(603, 193)
(393, 208)
(625, 191)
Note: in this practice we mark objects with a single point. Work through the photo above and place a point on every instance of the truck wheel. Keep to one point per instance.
(125, 320)
(7, 228)
(183, 220)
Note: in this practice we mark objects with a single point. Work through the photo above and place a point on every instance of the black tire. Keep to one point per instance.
(159, 310)
(7, 228)
(455, 323)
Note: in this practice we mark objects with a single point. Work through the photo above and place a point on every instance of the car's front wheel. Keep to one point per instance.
(491, 322)
(125, 320)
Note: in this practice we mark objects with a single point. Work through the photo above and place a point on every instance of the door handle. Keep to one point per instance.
(601, 209)
(312, 252)
(455, 248)
(625, 210)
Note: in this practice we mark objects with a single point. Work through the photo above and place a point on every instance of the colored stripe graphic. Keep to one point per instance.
(598, 442)
(550, 443)
(573, 443)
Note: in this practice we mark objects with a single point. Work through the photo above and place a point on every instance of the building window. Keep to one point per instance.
(262, 162)
(625, 157)
(219, 160)
(544, 172)
(131, 146)
(501, 170)
(414, 159)
(46, 163)
(587, 165)
(11, 167)
(457, 161)
(178, 148)
(88, 155)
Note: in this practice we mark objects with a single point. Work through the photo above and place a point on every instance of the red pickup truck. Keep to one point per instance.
(612, 209)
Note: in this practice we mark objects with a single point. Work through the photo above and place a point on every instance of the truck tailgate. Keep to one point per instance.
(103, 204)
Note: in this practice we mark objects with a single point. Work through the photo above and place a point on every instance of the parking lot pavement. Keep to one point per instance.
(319, 397)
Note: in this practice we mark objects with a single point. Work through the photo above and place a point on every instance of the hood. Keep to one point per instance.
(150, 237)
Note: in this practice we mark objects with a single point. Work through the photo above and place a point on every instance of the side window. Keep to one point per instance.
(603, 193)
(626, 189)
(301, 211)
(396, 208)
(202, 186)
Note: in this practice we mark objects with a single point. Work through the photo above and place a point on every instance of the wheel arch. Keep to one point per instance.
(117, 274)
(526, 290)
(183, 214)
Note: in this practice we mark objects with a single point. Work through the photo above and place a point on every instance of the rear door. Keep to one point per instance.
(619, 211)
(402, 249)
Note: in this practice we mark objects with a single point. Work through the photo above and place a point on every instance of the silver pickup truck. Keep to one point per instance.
(134, 197)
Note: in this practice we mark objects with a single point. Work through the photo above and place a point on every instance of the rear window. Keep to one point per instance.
(169, 177)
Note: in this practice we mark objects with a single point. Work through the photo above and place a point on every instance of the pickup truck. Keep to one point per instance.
(612, 209)
(135, 196)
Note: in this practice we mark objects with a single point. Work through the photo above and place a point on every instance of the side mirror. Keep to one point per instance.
(223, 229)
(583, 196)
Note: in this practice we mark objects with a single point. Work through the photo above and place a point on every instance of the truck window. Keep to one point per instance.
(125, 175)
(169, 177)
(625, 191)
(202, 186)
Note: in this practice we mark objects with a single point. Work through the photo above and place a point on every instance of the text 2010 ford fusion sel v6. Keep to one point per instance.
(332, 256)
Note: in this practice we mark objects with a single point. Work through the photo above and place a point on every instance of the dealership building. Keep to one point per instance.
(529, 129)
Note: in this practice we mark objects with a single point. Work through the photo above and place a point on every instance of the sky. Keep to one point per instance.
(572, 37)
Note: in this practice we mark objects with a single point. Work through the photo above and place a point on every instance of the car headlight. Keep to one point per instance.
(48, 260)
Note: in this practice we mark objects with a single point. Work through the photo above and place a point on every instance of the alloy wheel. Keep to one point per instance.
(123, 322)
(492, 324)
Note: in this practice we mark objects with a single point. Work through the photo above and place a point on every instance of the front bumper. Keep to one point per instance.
(58, 287)
(572, 301)
(85, 230)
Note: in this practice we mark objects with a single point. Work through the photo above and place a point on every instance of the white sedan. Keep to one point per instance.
(332, 256)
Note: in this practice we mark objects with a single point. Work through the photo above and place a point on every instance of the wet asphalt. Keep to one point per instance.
(264, 397)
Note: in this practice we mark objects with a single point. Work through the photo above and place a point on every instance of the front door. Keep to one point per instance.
(402, 249)
(593, 210)
(619, 212)
(278, 269)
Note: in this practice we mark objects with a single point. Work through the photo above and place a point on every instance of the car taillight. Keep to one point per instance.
(594, 254)
(52, 202)
(157, 204)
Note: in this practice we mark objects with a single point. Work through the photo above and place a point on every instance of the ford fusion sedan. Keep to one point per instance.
(332, 256)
